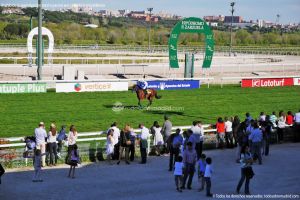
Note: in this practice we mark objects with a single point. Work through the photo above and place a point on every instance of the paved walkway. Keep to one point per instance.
(279, 174)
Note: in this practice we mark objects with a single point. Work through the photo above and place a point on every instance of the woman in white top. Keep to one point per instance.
(72, 137)
(158, 140)
(52, 145)
(281, 126)
(110, 145)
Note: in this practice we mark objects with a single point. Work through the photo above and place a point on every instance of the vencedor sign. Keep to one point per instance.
(12, 88)
(268, 82)
(191, 25)
(91, 86)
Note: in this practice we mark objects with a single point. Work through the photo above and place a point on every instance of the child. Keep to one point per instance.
(178, 173)
(74, 160)
(201, 171)
(207, 176)
(110, 145)
(37, 164)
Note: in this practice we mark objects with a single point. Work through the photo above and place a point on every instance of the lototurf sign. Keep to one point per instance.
(267, 82)
(12, 88)
(91, 86)
(174, 85)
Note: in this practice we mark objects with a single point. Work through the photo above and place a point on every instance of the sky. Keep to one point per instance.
(289, 10)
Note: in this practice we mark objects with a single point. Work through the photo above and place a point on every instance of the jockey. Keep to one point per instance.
(142, 84)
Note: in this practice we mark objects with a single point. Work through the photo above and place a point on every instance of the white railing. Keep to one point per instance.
(87, 134)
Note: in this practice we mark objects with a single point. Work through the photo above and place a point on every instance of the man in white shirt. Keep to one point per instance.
(144, 142)
(198, 132)
(228, 133)
(116, 137)
(40, 138)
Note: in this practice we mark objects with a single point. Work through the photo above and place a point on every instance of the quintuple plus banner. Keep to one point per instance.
(12, 88)
(174, 85)
(91, 86)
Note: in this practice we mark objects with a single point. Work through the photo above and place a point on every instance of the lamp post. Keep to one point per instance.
(232, 11)
(39, 53)
(149, 34)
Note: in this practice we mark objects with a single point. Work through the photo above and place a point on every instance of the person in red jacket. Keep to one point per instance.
(220, 126)
(289, 118)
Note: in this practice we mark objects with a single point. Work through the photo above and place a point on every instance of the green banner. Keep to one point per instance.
(191, 25)
(12, 88)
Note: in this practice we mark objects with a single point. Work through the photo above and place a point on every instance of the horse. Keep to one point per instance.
(140, 93)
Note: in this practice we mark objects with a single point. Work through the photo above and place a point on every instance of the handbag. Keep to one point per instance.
(128, 142)
(249, 172)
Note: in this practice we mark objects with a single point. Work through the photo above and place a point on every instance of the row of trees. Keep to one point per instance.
(71, 33)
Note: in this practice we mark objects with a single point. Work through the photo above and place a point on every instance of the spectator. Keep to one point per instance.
(297, 126)
(75, 159)
(110, 145)
(201, 171)
(2, 171)
(37, 160)
(242, 140)
(178, 173)
(61, 137)
(235, 125)
(192, 138)
(246, 162)
(281, 126)
(273, 119)
(189, 160)
(40, 136)
(289, 118)
(158, 140)
(228, 133)
(124, 143)
(207, 176)
(248, 118)
(198, 132)
(166, 132)
(256, 139)
(116, 137)
(144, 142)
(185, 141)
(132, 145)
(220, 126)
(72, 137)
(266, 127)
(176, 142)
(249, 130)
(52, 145)
(262, 117)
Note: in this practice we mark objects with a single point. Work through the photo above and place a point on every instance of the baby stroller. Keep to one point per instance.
(29, 146)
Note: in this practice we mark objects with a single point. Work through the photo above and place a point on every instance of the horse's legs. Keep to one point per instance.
(140, 105)
(150, 102)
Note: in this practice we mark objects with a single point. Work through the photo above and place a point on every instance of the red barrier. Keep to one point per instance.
(267, 82)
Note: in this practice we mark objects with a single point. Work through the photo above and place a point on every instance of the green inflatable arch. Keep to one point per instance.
(191, 25)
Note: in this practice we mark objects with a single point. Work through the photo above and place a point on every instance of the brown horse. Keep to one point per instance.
(140, 93)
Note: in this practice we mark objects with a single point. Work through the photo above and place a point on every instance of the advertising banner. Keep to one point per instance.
(267, 82)
(296, 81)
(91, 86)
(174, 85)
(12, 88)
